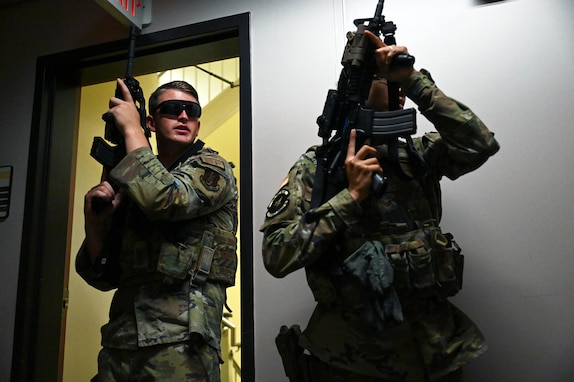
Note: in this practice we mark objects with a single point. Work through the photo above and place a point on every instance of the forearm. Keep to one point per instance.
(464, 138)
(96, 229)
(289, 246)
(456, 122)
(89, 271)
(134, 139)
(93, 245)
(177, 195)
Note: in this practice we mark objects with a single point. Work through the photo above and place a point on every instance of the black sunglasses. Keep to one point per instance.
(175, 107)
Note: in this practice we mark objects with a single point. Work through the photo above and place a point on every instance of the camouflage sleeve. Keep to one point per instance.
(462, 143)
(87, 271)
(294, 236)
(199, 186)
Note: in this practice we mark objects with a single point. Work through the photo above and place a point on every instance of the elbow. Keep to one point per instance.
(277, 264)
(481, 150)
(493, 146)
(485, 151)
(275, 272)
(273, 267)
(485, 142)
(490, 146)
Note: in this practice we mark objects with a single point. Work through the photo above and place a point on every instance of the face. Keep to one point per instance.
(378, 99)
(173, 131)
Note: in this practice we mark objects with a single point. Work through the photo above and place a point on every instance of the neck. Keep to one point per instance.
(169, 157)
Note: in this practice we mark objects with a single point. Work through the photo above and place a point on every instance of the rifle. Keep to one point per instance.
(107, 268)
(107, 155)
(344, 108)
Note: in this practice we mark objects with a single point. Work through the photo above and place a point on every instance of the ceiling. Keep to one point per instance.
(5, 3)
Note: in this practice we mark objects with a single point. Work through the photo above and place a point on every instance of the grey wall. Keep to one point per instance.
(509, 60)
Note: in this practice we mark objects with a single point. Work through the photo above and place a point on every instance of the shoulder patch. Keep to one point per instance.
(210, 180)
(213, 161)
(279, 203)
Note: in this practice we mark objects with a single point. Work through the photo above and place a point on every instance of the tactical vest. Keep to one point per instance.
(405, 220)
(168, 252)
(425, 262)
(208, 254)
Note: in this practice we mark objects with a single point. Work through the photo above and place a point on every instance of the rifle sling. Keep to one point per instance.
(416, 162)
(320, 179)
(192, 150)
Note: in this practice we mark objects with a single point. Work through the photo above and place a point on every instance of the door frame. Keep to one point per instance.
(44, 257)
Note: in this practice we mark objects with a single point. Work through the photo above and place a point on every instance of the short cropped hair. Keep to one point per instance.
(179, 85)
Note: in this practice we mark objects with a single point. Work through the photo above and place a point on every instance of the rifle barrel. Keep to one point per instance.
(131, 51)
(379, 10)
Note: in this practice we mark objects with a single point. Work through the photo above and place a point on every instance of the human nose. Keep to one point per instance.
(183, 115)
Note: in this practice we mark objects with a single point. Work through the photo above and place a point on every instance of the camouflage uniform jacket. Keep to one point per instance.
(166, 222)
(435, 337)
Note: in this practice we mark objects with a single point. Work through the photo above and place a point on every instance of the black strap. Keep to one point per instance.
(320, 179)
(192, 150)
(417, 163)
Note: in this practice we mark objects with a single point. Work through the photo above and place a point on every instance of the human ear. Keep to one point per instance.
(150, 121)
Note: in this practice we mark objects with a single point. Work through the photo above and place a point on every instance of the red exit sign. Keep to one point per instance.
(129, 12)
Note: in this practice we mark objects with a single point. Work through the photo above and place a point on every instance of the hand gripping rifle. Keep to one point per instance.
(107, 155)
(107, 268)
(345, 109)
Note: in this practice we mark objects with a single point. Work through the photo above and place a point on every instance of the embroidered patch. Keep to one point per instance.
(213, 162)
(278, 204)
(210, 180)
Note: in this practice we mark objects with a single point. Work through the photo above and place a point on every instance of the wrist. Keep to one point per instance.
(357, 195)
(415, 84)
(135, 138)
(93, 247)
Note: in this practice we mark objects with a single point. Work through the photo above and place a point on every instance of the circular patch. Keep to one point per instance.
(278, 204)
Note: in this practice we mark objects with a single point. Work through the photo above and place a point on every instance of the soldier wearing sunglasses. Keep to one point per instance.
(170, 227)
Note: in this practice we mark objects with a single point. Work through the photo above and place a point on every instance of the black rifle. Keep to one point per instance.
(345, 109)
(106, 267)
(107, 155)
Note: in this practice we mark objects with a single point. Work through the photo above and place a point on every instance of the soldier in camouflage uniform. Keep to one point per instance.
(166, 241)
(380, 268)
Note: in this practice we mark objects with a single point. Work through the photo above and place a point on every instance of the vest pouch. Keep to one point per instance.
(175, 260)
(448, 263)
(412, 258)
(421, 266)
(224, 265)
(396, 255)
(425, 261)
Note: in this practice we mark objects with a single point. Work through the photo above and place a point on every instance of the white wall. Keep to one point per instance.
(510, 61)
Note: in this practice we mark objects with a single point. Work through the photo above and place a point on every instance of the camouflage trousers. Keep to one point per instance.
(184, 361)
(322, 372)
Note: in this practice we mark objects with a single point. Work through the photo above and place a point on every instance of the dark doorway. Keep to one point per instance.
(45, 249)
